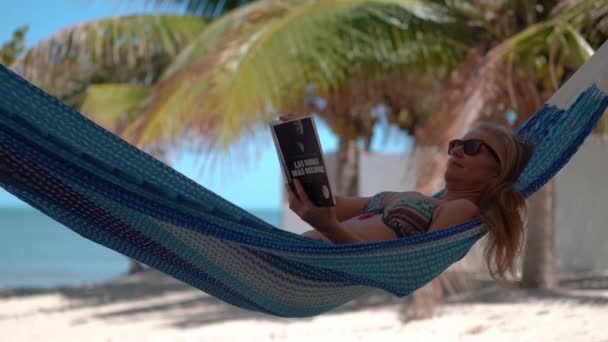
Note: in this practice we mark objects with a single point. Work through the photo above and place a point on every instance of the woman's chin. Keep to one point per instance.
(453, 176)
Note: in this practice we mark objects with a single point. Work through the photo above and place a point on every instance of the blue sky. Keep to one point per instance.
(254, 185)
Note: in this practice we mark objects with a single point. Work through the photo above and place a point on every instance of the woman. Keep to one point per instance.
(479, 179)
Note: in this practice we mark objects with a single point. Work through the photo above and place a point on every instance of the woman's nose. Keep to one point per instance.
(457, 151)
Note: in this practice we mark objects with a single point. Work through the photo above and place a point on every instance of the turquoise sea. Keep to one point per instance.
(36, 251)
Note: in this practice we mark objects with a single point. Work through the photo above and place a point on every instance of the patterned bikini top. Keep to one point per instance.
(407, 215)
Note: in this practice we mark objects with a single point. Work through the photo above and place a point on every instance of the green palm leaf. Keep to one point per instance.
(114, 106)
(75, 56)
(262, 58)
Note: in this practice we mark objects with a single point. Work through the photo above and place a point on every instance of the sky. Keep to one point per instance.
(254, 185)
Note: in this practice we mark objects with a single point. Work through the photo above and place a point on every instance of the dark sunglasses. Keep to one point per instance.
(472, 147)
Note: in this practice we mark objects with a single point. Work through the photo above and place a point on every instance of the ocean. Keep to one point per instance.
(36, 251)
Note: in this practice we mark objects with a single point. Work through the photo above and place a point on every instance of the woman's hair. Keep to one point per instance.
(502, 207)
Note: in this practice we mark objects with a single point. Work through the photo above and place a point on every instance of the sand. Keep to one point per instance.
(152, 307)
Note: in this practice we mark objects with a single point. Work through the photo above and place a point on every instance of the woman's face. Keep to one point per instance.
(477, 170)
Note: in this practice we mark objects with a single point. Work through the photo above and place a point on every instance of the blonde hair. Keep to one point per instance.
(502, 207)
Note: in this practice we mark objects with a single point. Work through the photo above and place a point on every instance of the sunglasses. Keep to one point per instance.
(472, 147)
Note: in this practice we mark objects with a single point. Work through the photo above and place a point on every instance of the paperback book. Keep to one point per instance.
(300, 154)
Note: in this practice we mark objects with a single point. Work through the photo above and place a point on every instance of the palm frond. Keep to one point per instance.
(576, 8)
(262, 58)
(63, 62)
(203, 8)
(114, 106)
(547, 51)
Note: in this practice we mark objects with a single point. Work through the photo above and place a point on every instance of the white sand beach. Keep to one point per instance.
(150, 306)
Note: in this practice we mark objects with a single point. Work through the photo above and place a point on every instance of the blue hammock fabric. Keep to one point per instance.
(110, 192)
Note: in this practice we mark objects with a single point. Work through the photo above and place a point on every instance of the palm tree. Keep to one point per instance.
(263, 58)
(527, 51)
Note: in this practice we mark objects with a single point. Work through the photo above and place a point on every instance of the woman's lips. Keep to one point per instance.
(456, 163)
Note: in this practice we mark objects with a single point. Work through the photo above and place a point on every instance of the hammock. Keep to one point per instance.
(110, 192)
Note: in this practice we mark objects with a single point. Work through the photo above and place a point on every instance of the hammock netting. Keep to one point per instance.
(83, 176)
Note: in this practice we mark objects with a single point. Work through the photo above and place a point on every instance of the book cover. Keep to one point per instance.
(300, 154)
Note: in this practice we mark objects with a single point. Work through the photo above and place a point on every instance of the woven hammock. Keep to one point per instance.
(110, 192)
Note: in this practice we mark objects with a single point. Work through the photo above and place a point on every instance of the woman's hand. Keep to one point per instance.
(320, 218)
(286, 117)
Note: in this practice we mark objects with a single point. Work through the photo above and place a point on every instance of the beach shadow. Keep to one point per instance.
(194, 308)
(227, 312)
(204, 309)
(587, 282)
(140, 286)
(578, 290)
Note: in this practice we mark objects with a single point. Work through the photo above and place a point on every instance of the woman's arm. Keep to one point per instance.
(322, 219)
(337, 233)
(347, 207)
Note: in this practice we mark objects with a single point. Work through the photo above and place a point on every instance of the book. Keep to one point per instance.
(300, 155)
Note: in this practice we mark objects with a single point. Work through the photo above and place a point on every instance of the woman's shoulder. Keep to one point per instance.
(454, 212)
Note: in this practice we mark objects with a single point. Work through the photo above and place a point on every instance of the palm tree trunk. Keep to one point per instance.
(347, 167)
(539, 262)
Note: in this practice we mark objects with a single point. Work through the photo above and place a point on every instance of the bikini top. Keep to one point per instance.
(407, 215)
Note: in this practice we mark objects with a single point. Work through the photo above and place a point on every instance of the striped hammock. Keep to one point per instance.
(110, 192)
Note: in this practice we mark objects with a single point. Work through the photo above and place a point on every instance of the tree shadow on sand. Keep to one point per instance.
(578, 290)
(198, 309)
(140, 286)
(218, 311)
